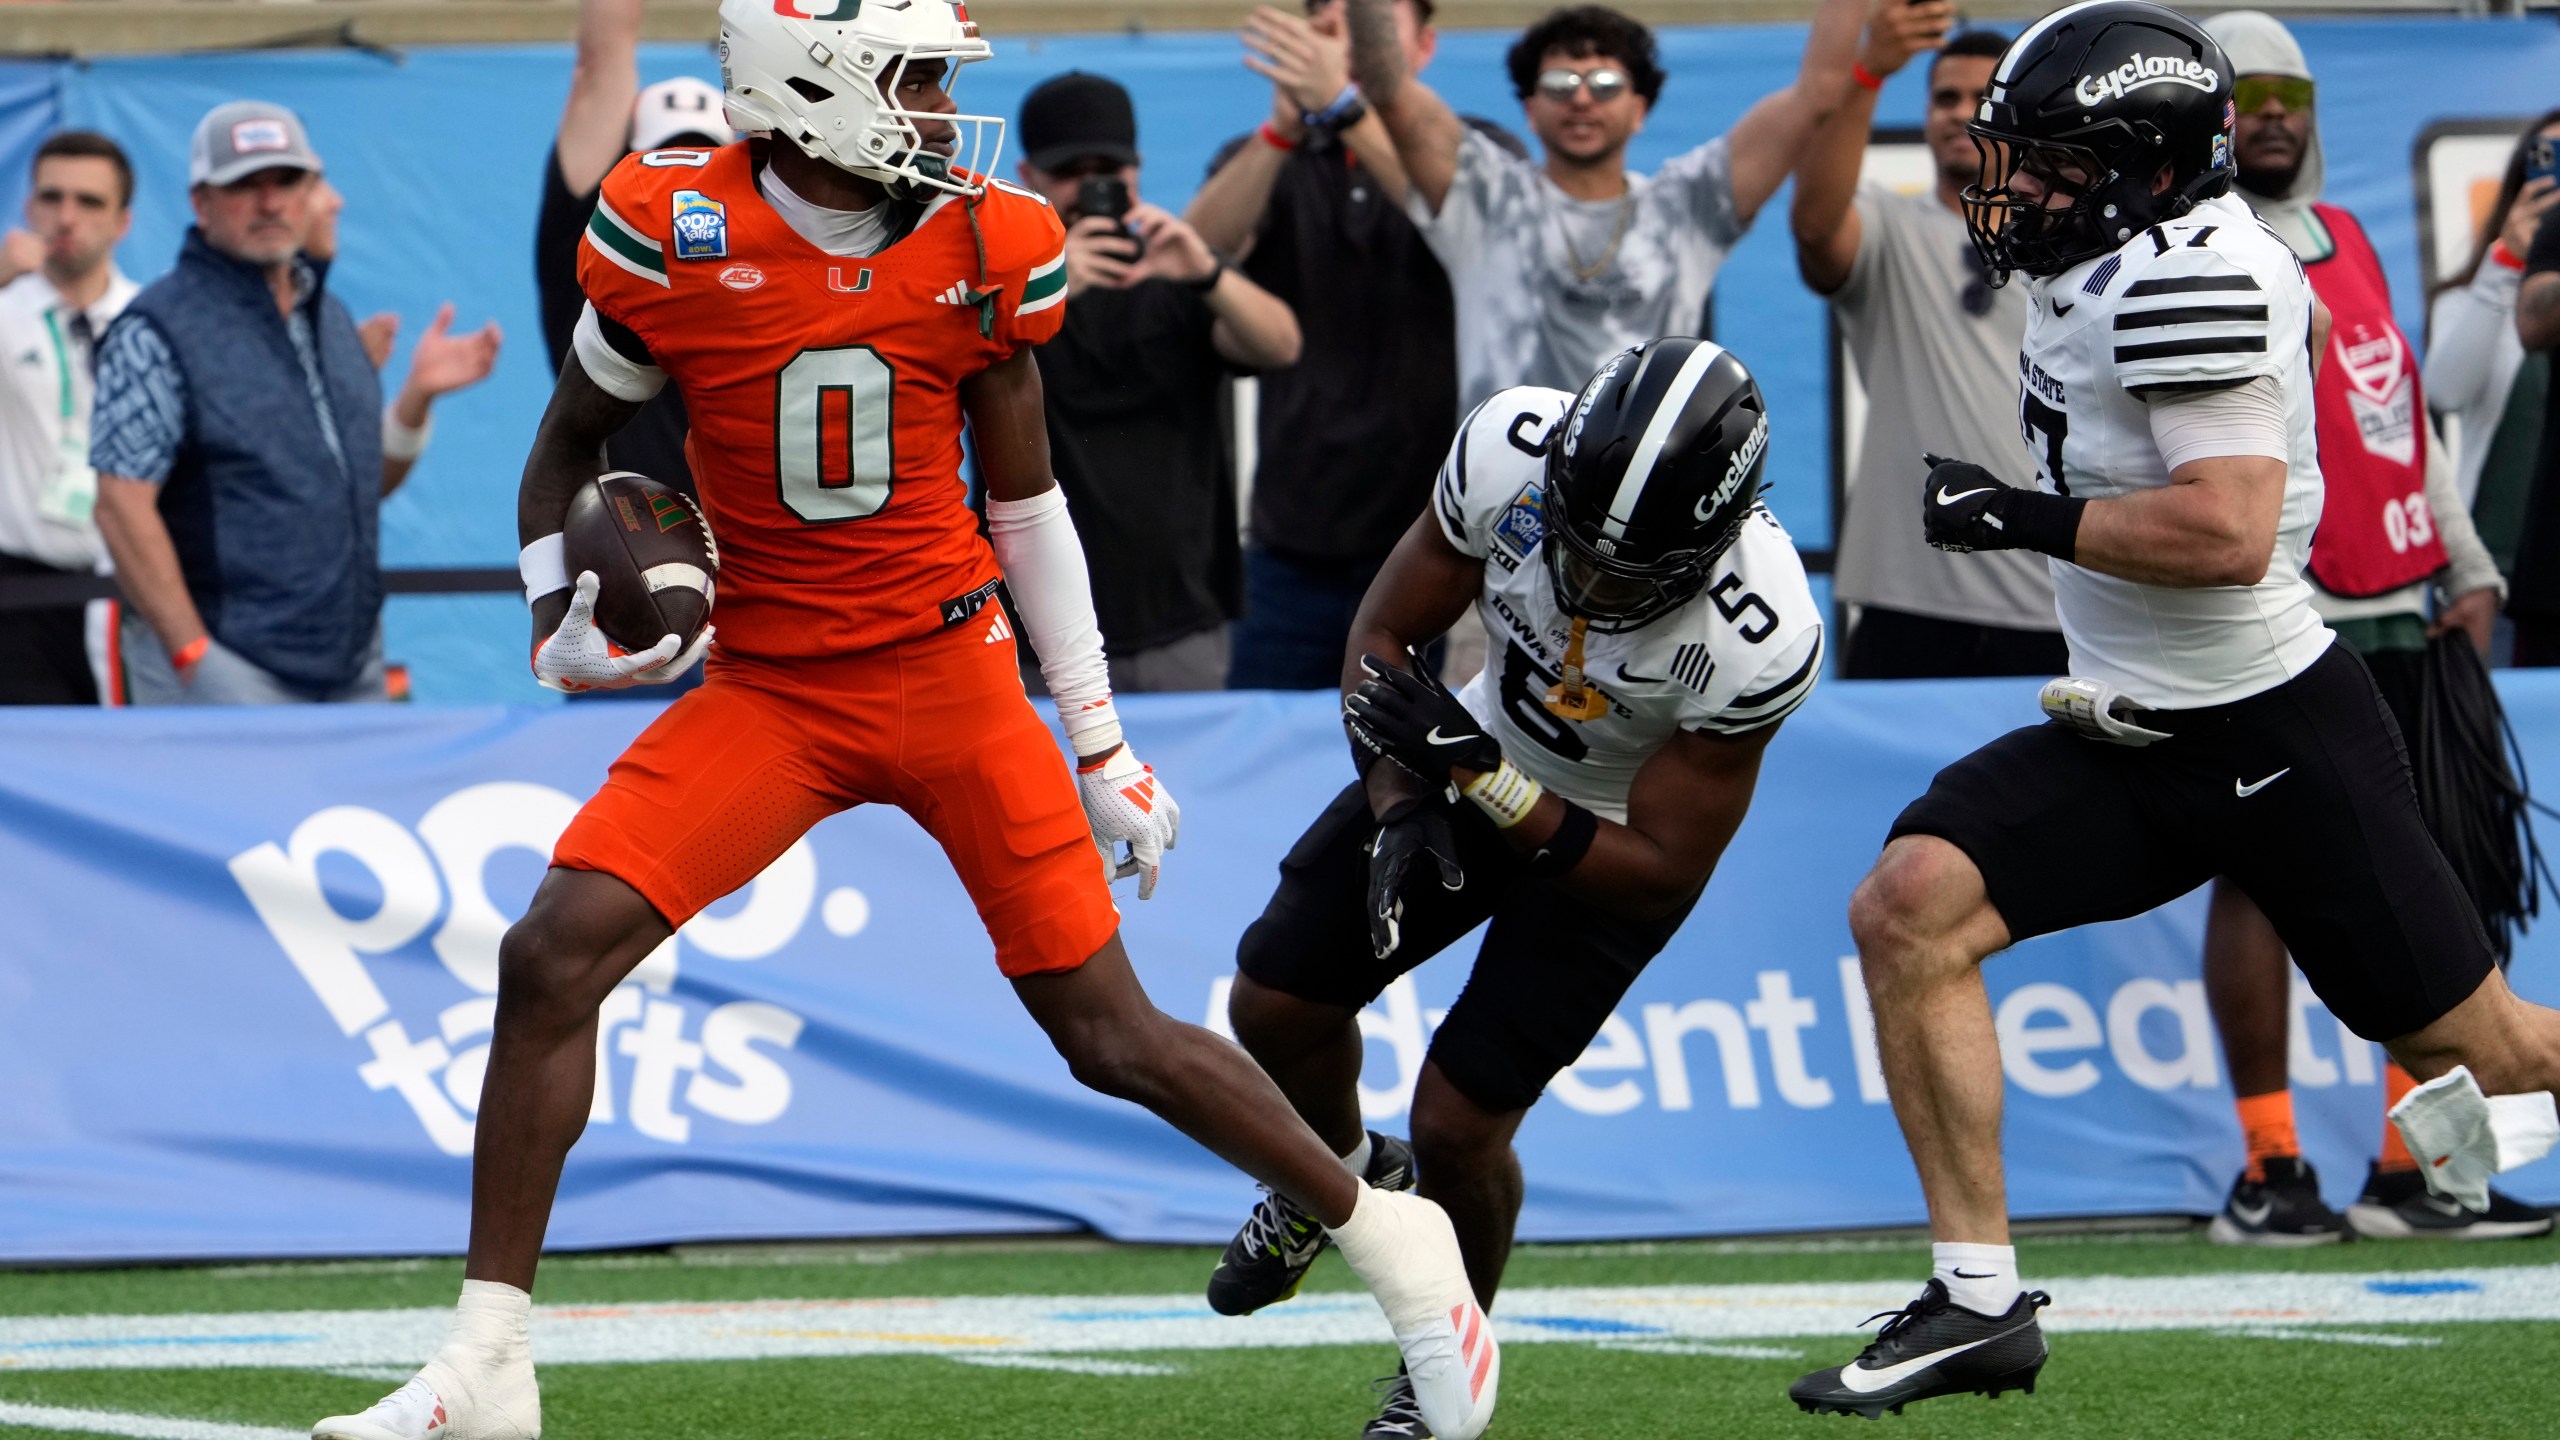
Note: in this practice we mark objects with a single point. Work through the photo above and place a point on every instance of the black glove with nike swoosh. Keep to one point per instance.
(1965, 508)
(1412, 719)
(1410, 831)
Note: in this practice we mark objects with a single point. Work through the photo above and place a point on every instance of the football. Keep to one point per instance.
(652, 553)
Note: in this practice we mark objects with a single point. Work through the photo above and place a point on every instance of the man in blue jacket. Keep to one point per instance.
(242, 446)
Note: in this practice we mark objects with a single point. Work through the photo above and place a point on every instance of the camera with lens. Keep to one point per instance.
(1108, 197)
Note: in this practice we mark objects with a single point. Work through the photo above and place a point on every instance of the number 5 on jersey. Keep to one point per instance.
(832, 456)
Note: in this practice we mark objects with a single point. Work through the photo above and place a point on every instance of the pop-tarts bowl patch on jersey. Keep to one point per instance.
(1524, 524)
(701, 227)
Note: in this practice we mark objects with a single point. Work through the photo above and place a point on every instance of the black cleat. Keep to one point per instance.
(1270, 1255)
(2396, 1205)
(2282, 1211)
(1933, 1347)
(1399, 1417)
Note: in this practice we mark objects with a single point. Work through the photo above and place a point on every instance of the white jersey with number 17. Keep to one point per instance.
(2209, 300)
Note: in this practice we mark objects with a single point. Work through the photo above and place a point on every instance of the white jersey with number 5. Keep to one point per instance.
(2209, 300)
(1742, 655)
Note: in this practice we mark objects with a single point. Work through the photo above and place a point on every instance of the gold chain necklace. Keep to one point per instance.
(1617, 233)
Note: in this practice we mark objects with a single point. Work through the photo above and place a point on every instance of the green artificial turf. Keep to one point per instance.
(2483, 1382)
(1094, 1268)
(2476, 1382)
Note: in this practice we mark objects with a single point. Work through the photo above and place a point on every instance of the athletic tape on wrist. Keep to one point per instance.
(399, 442)
(1505, 795)
(544, 564)
(1092, 728)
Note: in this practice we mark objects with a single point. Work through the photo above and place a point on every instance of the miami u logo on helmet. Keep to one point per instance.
(808, 9)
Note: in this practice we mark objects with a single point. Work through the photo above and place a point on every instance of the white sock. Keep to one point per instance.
(1982, 1278)
(1356, 1159)
(492, 1318)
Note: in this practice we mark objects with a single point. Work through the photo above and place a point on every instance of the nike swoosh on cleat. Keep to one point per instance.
(1868, 1382)
(1436, 738)
(2245, 791)
(1946, 499)
(2256, 1216)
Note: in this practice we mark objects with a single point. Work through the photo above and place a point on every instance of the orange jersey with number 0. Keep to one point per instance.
(824, 392)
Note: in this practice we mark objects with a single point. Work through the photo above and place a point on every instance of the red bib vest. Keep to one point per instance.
(2376, 533)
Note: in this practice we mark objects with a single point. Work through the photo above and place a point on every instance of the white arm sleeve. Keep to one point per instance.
(2240, 420)
(615, 373)
(1035, 541)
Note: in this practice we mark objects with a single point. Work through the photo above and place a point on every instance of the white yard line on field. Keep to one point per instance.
(1069, 1364)
(2343, 1337)
(144, 1427)
(1050, 1325)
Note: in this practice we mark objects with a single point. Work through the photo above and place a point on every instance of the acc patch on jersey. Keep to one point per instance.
(701, 227)
(1522, 526)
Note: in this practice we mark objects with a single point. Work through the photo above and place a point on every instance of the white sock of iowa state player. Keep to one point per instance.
(1356, 1160)
(1982, 1278)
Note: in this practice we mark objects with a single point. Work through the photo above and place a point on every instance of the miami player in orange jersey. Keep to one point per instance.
(835, 297)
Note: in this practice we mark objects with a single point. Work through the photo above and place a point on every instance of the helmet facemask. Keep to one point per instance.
(1613, 592)
(915, 166)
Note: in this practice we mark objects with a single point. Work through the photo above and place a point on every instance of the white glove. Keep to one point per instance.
(579, 657)
(1127, 804)
(2089, 706)
(2462, 1137)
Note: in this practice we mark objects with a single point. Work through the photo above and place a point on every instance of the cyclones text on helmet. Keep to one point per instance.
(829, 76)
(1650, 478)
(2118, 115)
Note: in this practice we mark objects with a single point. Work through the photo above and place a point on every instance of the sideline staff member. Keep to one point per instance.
(242, 446)
(65, 293)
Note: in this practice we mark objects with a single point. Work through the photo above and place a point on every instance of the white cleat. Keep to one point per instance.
(498, 1401)
(1405, 1249)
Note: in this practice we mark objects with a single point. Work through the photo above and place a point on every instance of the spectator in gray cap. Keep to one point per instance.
(242, 446)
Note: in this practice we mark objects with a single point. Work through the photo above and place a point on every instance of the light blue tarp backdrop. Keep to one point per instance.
(246, 974)
(440, 155)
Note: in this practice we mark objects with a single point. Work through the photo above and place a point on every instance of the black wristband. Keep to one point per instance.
(1209, 282)
(1565, 848)
(2047, 524)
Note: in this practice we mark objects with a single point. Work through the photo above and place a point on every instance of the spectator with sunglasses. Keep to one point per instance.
(1557, 265)
(1937, 347)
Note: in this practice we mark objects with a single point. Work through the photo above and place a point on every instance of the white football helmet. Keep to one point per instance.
(824, 75)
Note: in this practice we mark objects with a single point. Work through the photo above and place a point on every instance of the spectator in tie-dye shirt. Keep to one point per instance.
(1557, 264)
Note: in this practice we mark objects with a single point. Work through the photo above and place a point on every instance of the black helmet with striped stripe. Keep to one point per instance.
(1657, 467)
(2121, 108)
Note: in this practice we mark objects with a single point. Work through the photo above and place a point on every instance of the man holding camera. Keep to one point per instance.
(1156, 322)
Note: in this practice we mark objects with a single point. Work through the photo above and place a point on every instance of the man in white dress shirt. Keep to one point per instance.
(62, 288)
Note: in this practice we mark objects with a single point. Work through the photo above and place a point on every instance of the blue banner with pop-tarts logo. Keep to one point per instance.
(250, 960)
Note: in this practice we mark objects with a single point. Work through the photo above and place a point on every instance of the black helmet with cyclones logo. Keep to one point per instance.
(2097, 102)
(1654, 472)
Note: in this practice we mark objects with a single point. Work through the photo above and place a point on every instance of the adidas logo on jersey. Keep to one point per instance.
(958, 294)
(1000, 631)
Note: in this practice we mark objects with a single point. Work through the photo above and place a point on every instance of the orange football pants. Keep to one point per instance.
(737, 770)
